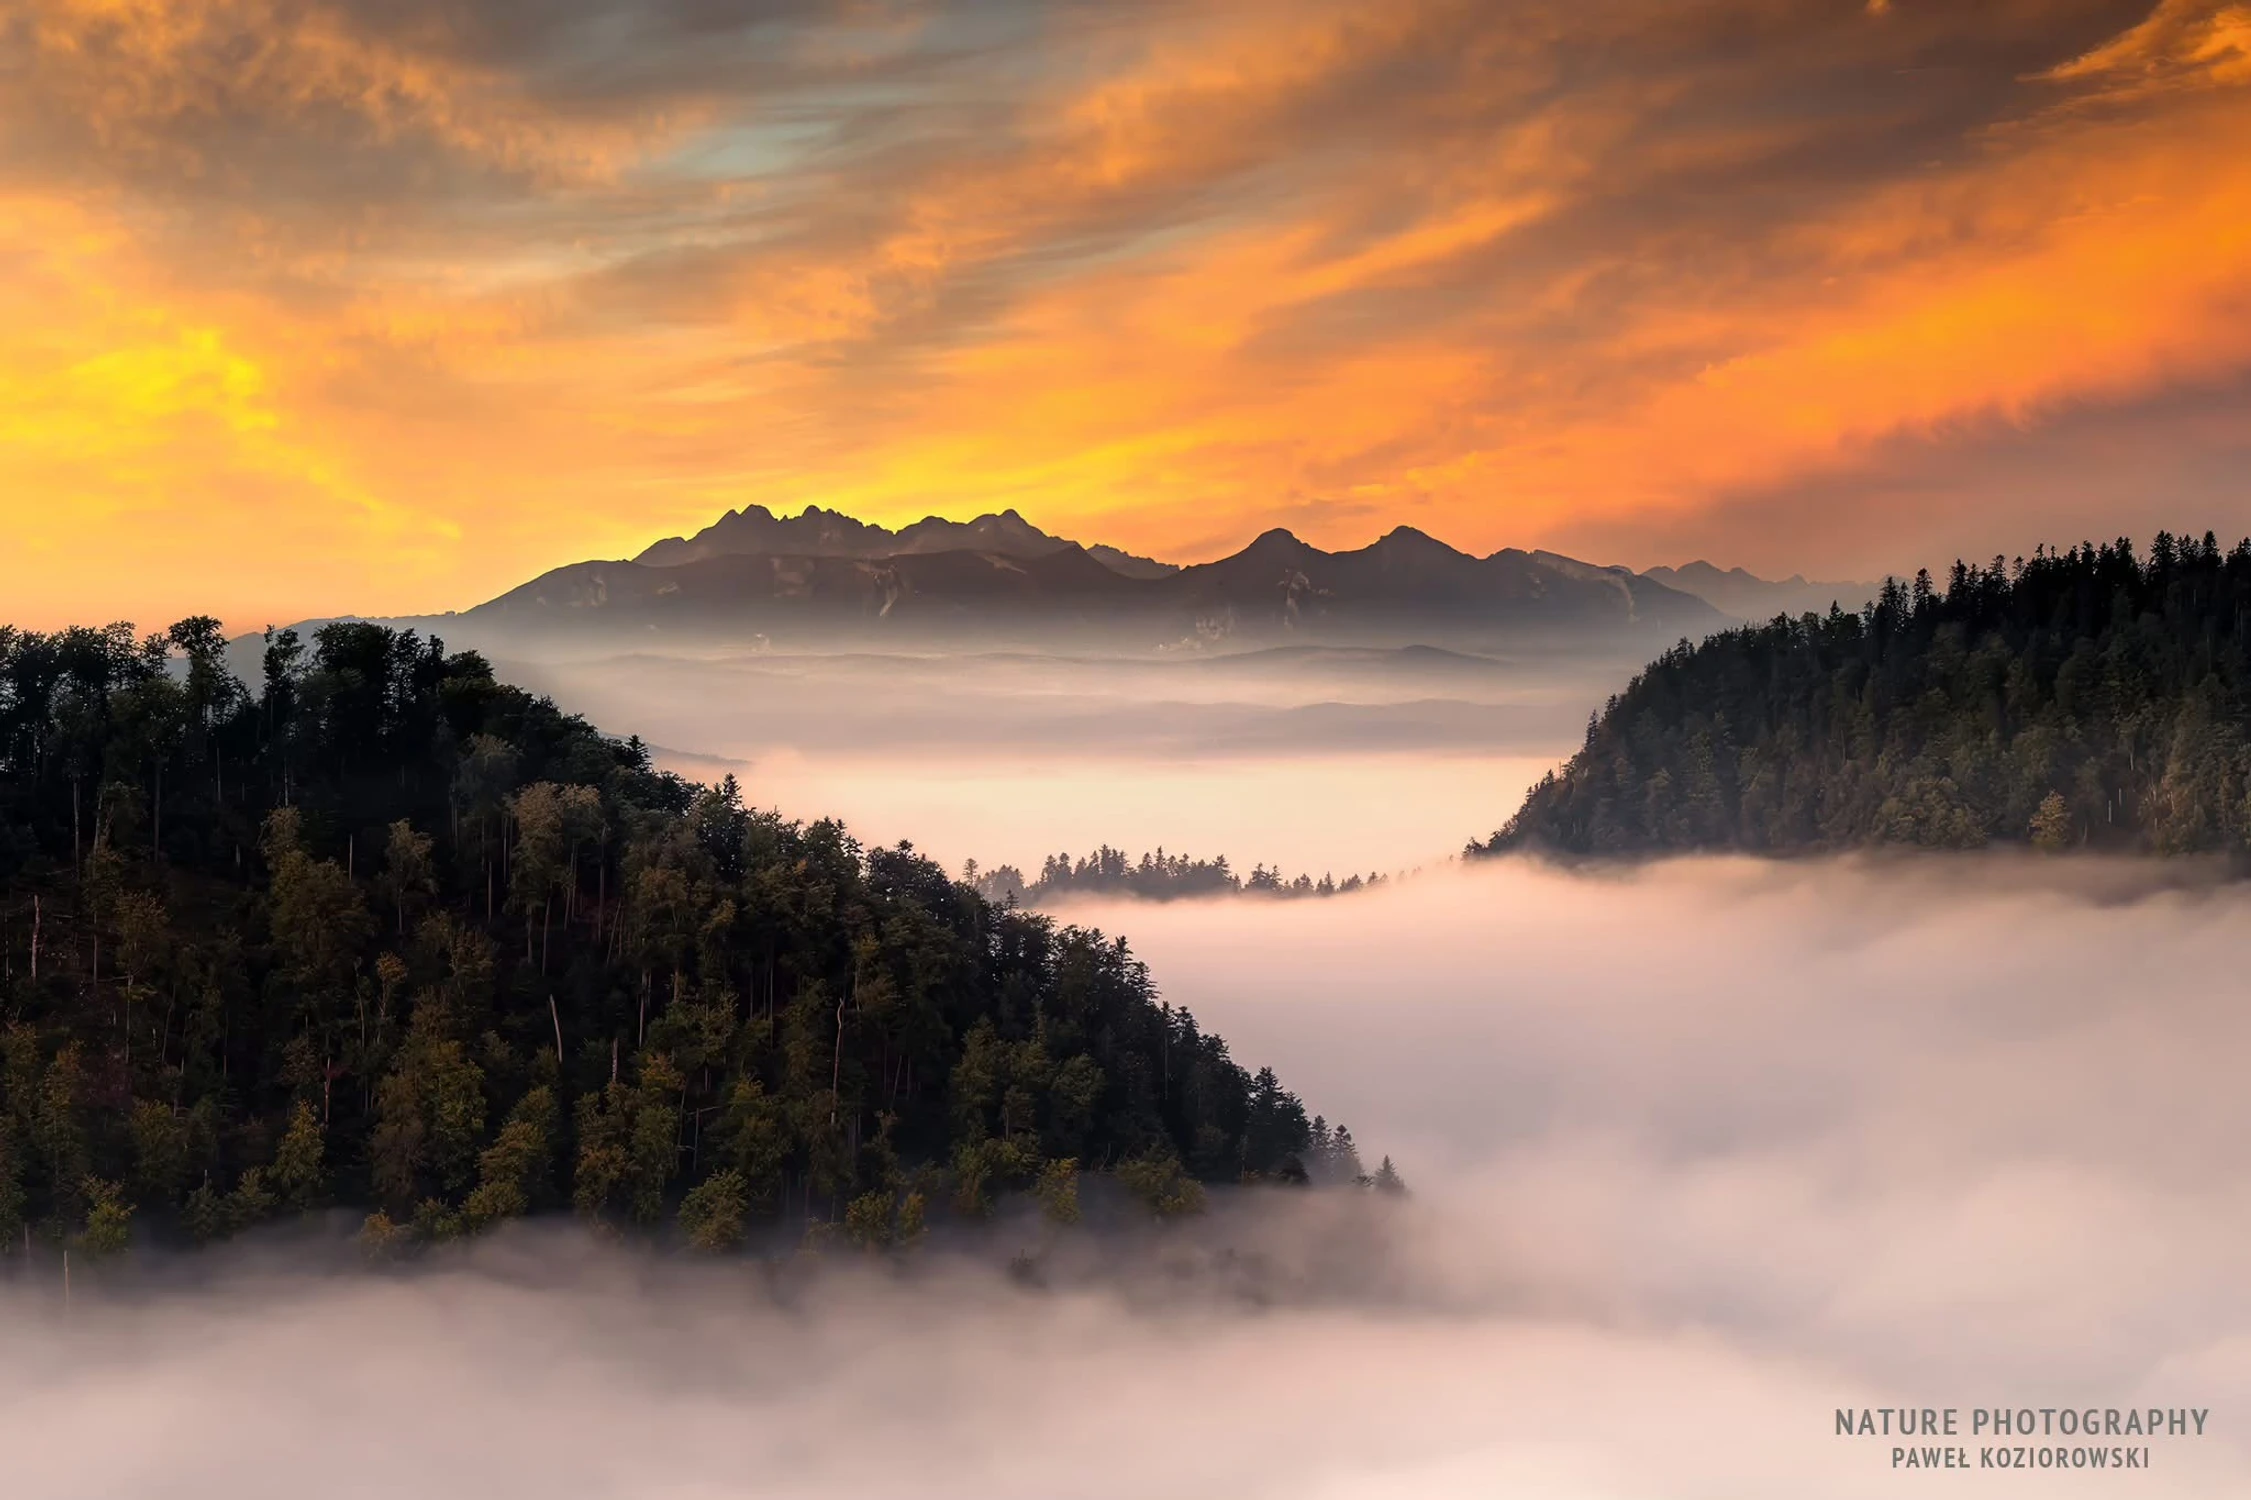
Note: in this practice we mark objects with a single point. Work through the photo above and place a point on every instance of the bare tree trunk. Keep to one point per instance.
(836, 1060)
(164, 1033)
(557, 1016)
(35, 939)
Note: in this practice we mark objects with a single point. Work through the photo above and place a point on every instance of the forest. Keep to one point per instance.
(2093, 698)
(1155, 876)
(384, 935)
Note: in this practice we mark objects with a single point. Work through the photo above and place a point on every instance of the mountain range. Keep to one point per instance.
(826, 578)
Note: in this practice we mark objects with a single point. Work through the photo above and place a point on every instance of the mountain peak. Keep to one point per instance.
(1413, 540)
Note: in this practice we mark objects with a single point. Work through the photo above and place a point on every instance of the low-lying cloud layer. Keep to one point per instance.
(1337, 761)
(1700, 1153)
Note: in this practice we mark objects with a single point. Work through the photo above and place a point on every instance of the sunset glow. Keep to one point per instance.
(314, 307)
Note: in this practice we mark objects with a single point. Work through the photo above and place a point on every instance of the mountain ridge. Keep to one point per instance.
(1750, 598)
(815, 532)
(1406, 587)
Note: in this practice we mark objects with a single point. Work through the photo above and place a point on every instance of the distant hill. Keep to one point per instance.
(1748, 597)
(755, 531)
(1011, 584)
(2091, 698)
(1156, 876)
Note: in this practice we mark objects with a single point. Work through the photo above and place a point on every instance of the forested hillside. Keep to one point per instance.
(2093, 698)
(387, 934)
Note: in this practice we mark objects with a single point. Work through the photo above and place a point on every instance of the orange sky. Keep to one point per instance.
(384, 306)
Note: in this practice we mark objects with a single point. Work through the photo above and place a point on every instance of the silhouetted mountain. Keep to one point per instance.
(755, 531)
(764, 592)
(1753, 599)
(1407, 588)
(1401, 586)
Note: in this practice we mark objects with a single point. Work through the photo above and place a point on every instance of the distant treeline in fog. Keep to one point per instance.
(1156, 876)
(388, 934)
(2093, 698)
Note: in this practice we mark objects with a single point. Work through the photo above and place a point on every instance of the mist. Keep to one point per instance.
(1313, 759)
(1700, 1152)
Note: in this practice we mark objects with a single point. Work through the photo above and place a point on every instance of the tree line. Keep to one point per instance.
(1155, 876)
(384, 933)
(2092, 698)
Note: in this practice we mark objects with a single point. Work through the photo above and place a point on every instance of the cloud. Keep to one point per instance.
(2185, 44)
(569, 277)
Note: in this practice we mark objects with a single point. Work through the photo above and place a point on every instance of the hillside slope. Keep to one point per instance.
(2093, 698)
(391, 935)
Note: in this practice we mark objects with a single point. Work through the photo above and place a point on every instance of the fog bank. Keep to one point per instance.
(1700, 1153)
(1308, 758)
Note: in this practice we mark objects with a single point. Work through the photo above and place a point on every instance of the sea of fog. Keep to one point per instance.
(1699, 1153)
(1315, 760)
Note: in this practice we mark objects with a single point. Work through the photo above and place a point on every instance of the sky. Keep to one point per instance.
(384, 306)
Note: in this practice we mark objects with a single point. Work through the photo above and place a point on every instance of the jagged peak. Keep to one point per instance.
(1400, 538)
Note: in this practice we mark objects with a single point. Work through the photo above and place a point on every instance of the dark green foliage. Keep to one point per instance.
(394, 937)
(2083, 699)
(1157, 1182)
(712, 1214)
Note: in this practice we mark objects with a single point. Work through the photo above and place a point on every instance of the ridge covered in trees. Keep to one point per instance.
(390, 935)
(1155, 876)
(2092, 698)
